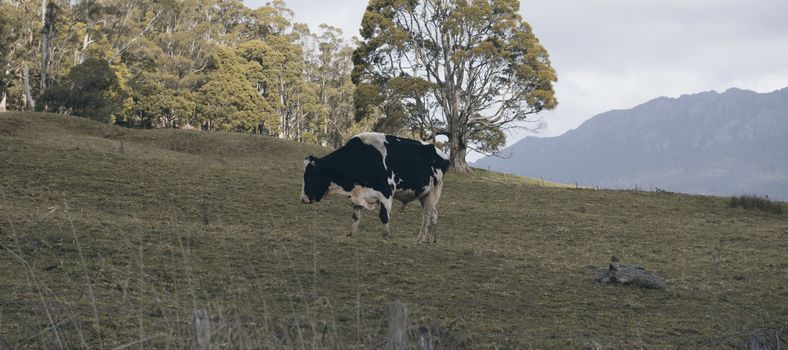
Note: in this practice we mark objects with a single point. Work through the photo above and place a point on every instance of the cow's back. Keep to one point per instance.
(413, 163)
(357, 163)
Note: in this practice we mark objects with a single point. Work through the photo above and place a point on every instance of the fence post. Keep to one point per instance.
(202, 328)
(425, 340)
(398, 326)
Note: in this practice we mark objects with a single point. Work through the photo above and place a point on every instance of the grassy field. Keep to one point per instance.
(112, 237)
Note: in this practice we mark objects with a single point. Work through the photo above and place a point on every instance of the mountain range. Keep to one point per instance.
(729, 143)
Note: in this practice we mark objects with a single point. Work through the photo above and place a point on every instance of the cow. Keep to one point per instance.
(373, 169)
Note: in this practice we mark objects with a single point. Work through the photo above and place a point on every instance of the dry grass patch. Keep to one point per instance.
(107, 246)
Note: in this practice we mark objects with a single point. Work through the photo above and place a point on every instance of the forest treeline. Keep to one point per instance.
(205, 64)
(460, 71)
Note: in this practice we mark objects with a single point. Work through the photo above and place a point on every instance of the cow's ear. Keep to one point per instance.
(310, 160)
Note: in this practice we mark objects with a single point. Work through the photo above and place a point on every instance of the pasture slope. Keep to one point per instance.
(112, 237)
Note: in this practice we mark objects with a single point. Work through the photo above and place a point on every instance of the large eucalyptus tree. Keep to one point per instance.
(465, 69)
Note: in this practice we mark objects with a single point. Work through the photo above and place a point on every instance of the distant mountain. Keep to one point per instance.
(728, 143)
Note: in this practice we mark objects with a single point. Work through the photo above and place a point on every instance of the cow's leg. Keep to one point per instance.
(433, 223)
(431, 208)
(385, 215)
(356, 220)
(428, 219)
(425, 219)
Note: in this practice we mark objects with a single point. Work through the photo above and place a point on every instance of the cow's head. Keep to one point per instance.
(316, 182)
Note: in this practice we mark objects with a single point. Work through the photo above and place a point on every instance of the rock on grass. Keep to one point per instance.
(632, 275)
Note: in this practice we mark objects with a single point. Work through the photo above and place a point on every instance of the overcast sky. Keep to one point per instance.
(616, 54)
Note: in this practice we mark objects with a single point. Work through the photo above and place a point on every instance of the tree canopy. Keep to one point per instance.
(206, 64)
(464, 69)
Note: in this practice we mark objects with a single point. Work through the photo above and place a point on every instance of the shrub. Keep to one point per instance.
(756, 202)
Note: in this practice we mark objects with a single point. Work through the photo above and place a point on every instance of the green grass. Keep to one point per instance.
(113, 236)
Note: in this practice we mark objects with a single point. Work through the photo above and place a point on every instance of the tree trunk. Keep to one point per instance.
(30, 104)
(43, 75)
(458, 150)
(43, 11)
(4, 100)
(44, 45)
(80, 57)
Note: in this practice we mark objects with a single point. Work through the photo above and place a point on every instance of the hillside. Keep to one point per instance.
(727, 143)
(111, 237)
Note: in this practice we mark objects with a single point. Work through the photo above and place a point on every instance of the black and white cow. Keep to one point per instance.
(372, 169)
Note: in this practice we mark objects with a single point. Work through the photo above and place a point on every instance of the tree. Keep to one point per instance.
(91, 90)
(49, 14)
(156, 105)
(229, 100)
(327, 63)
(284, 68)
(23, 28)
(465, 69)
(5, 36)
